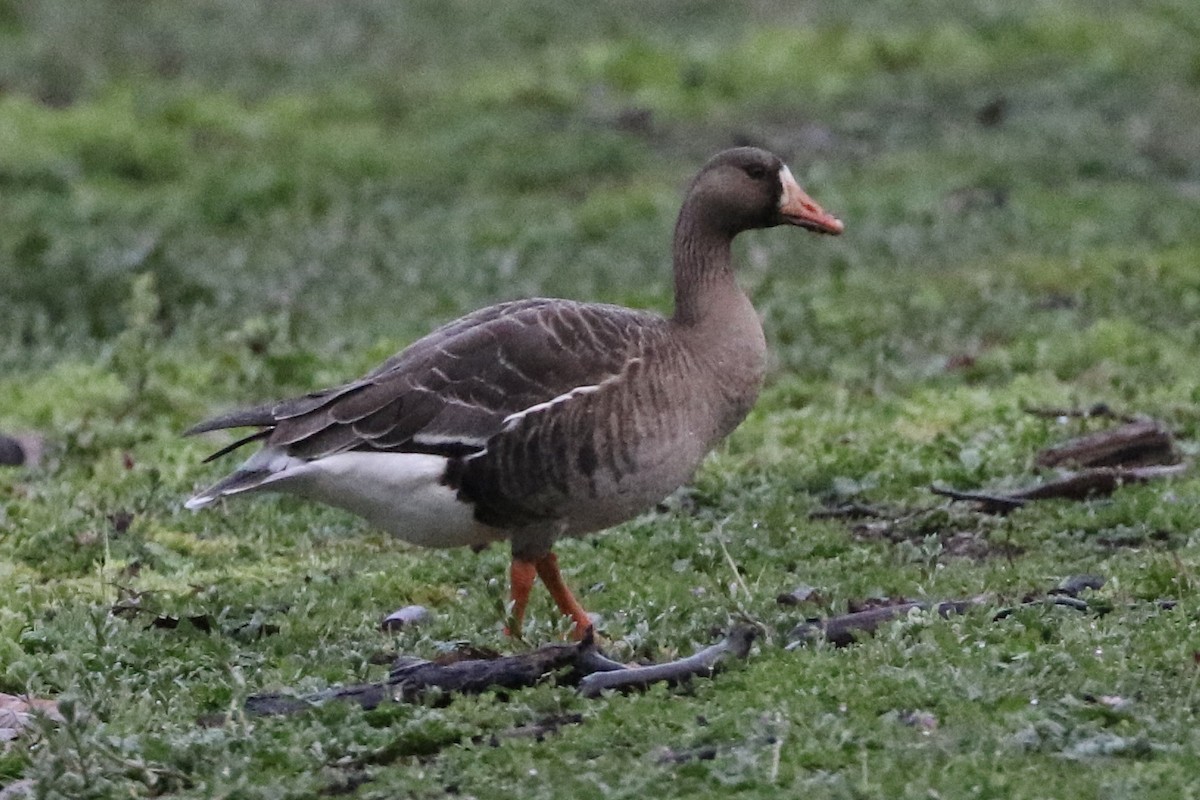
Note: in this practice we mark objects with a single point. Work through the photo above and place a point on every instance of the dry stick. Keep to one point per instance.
(846, 629)
(1137, 443)
(410, 680)
(776, 752)
(989, 503)
(1071, 486)
(413, 678)
(849, 511)
(737, 575)
(1097, 410)
(539, 729)
(703, 663)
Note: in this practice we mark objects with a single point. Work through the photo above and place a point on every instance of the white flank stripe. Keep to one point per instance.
(513, 419)
(449, 438)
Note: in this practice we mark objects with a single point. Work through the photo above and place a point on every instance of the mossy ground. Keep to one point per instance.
(208, 204)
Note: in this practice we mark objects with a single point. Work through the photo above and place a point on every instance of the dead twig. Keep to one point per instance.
(704, 663)
(1095, 410)
(1079, 485)
(850, 510)
(846, 629)
(988, 503)
(534, 730)
(669, 755)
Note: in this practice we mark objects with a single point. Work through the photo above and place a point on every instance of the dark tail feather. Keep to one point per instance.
(259, 417)
(229, 448)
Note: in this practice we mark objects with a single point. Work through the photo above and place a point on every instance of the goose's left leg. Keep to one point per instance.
(523, 572)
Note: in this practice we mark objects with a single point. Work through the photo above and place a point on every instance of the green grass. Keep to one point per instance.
(221, 203)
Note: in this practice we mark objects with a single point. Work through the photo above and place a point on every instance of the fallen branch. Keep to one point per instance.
(412, 679)
(1097, 481)
(846, 629)
(1137, 443)
(415, 677)
(703, 663)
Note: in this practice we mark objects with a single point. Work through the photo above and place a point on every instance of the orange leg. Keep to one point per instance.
(547, 570)
(522, 574)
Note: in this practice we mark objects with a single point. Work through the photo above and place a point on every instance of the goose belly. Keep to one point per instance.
(610, 496)
(400, 493)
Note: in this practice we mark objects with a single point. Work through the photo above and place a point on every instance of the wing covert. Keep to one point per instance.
(449, 392)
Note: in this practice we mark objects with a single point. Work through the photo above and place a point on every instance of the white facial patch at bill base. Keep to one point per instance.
(787, 182)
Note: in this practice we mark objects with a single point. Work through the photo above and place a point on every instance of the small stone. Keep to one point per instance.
(21, 450)
(18, 790)
(406, 617)
(1075, 585)
(11, 453)
(1114, 702)
(924, 721)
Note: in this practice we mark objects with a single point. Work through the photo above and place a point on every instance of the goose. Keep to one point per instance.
(538, 419)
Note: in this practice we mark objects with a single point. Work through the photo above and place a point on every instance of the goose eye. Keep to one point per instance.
(756, 171)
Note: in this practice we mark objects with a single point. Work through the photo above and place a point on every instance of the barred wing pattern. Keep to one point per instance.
(450, 393)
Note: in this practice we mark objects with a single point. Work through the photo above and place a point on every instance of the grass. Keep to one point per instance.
(229, 202)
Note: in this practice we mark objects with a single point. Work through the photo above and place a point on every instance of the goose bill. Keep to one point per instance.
(797, 208)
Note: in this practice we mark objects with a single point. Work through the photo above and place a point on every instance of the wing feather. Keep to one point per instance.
(451, 391)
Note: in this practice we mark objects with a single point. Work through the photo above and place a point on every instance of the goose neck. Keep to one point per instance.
(703, 267)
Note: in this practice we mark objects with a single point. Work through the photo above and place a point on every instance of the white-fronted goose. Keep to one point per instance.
(537, 419)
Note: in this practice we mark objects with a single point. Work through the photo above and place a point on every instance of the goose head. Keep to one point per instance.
(747, 188)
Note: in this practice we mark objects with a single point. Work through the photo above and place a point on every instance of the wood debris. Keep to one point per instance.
(1138, 451)
(703, 663)
(1143, 442)
(846, 629)
(582, 664)
(1079, 485)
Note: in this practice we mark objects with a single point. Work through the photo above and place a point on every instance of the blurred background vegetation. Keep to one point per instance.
(361, 169)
